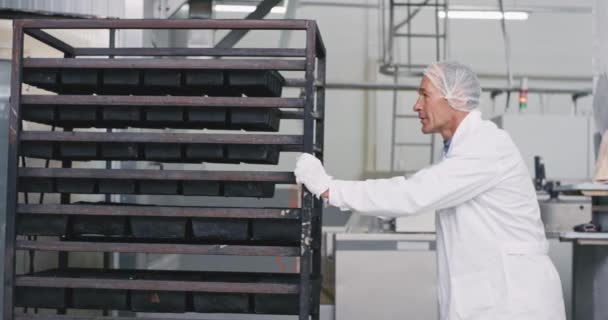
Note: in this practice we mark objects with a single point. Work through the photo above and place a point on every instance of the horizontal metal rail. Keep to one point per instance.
(162, 101)
(21, 316)
(70, 317)
(211, 52)
(159, 211)
(157, 248)
(190, 64)
(274, 24)
(169, 137)
(413, 87)
(156, 285)
(277, 177)
(419, 35)
(229, 24)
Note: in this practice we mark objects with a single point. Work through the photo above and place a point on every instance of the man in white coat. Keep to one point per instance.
(491, 246)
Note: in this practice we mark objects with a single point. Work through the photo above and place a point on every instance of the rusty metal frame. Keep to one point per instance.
(177, 52)
(310, 59)
(169, 137)
(287, 143)
(92, 283)
(12, 165)
(57, 317)
(162, 101)
(242, 64)
(148, 174)
(216, 249)
(160, 211)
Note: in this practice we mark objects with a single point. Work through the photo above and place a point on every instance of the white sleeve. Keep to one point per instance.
(446, 184)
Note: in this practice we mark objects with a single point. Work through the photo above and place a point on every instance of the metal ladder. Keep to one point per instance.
(397, 66)
(394, 144)
(391, 63)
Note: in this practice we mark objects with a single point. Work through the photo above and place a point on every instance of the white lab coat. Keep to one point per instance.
(491, 246)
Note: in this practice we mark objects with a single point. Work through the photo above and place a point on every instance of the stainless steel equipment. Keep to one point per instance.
(384, 276)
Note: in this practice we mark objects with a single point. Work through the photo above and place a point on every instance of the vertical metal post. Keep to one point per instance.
(307, 197)
(383, 36)
(12, 173)
(445, 30)
(4, 116)
(437, 32)
(409, 38)
(394, 129)
(108, 197)
(439, 57)
(391, 30)
(318, 210)
(65, 198)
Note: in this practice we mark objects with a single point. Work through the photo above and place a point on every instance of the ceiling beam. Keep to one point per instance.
(235, 36)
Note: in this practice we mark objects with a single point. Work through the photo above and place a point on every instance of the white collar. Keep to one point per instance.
(470, 121)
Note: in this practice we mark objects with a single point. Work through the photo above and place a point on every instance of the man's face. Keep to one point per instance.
(433, 109)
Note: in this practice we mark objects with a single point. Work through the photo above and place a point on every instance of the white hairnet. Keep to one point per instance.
(457, 83)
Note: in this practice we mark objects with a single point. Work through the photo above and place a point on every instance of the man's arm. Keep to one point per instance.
(449, 183)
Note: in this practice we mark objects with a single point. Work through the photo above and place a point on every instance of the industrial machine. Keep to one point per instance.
(575, 222)
(154, 105)
(590, 254)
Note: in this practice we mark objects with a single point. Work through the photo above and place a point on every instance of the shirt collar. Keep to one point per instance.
(446, 145)
(469, 121)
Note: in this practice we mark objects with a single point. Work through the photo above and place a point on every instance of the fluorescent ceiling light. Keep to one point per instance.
(244, 8)
(484, 15)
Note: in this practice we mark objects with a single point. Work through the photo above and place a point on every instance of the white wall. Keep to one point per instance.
(358, 123)
(551, 42)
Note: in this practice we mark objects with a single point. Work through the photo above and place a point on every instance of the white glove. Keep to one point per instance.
(310, 172)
